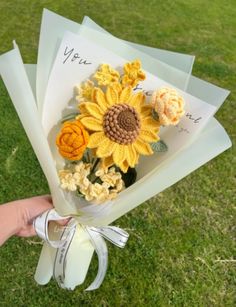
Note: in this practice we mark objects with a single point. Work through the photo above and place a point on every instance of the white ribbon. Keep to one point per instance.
(115, 235)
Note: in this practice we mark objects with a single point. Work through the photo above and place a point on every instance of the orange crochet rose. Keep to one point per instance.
(72, 140)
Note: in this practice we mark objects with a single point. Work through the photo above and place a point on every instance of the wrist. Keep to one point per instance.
(12, 217)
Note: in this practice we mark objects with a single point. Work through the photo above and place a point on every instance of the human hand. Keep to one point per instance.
(16, 217)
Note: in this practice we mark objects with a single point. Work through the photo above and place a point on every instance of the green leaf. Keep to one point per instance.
(69, 117)
(159, 146)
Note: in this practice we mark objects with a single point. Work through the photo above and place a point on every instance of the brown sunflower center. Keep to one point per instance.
(121, 124)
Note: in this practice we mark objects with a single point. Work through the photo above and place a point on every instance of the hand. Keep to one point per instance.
(31, 208)
(16, 217)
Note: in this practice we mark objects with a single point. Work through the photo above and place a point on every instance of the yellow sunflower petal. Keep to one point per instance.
(107, 162)
(106, 148)
(131, 155)
(96, 139)
(142, 147)
(99, 98)
(94, 110)
(80, 116)
(146, 110)
(124, 166)
(92, 123)
(111, 96)
(137, 100)
(117, 87)
(82, 107)
(126, 94)
(149, 123)
(119, 154)
(148, 136)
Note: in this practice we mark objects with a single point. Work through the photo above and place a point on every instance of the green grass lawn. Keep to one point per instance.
(181, 250)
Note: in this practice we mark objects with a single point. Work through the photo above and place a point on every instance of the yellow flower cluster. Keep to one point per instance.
(106, 75)
(77, 179)
(132, 74)
(169, 106)
(84, 91)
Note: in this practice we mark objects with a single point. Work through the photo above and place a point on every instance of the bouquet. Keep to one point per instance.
(111, 126)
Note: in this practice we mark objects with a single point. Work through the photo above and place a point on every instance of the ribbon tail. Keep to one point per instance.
(61, 255)
(100, 247)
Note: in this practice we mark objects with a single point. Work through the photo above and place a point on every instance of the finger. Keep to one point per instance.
(27, 231)
(63, 222)
(37, 205)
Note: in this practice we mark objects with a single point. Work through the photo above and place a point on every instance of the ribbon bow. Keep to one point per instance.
(114, 234)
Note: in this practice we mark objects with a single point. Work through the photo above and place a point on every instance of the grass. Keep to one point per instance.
(181, 250)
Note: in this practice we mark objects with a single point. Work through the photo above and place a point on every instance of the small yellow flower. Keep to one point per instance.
(106, 75)
(76, 178)
(67, 180)
(84, 92)
(132, 74)
(169, 105)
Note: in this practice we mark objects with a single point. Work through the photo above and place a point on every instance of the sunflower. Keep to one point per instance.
(121, 126)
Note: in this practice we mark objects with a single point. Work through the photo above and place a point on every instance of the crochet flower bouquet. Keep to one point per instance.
(112, 124)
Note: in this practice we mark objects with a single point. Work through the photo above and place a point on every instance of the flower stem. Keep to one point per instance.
(94, 165)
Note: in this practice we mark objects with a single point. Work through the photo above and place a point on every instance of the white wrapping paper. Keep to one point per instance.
(210, 142)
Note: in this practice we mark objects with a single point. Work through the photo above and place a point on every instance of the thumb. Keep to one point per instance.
(37, 205)
(27, 231)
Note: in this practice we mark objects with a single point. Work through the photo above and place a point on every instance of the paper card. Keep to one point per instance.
(53, 28)
(77, 59)
(199, 88)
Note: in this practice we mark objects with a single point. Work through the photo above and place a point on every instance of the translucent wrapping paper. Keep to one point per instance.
(32, 90)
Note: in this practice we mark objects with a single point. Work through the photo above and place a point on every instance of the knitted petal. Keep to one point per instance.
(148, 136)
(119, 154)
(137, 100)
(70, 138)
(124, 166)
(66, 154)
(78, 142)
(141, 75)
(79, 151)
(99, 98)
(96, 139)
(126, 94)
(76, 129)
(107, 162)
(146, 110)
(94, 110)
(111, 96)
(142, 147)
(106, 148)
(131, 155)
(92, 123)
(117, 87)
(82, 108)
(149, 123)
(67, 129)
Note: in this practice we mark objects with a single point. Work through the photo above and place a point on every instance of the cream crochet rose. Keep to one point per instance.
(169, 106)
